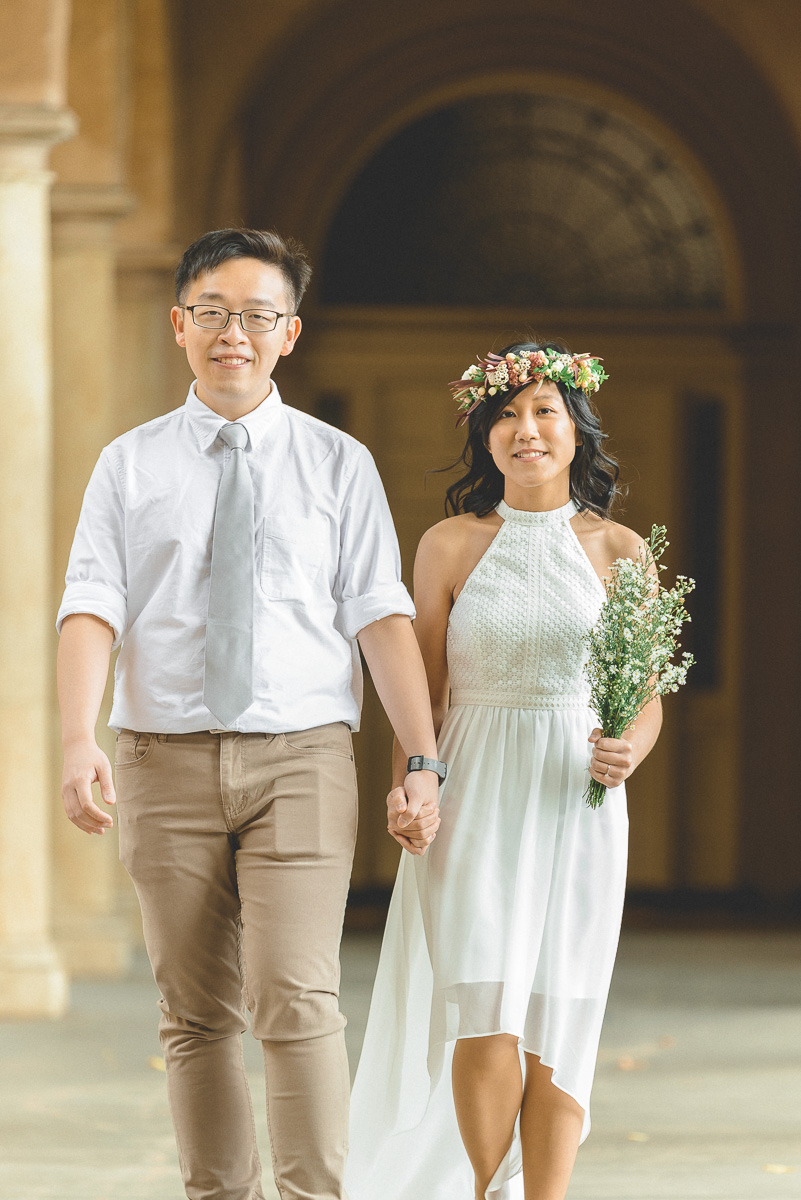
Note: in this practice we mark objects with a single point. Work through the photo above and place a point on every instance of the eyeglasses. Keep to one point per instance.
(252, 320)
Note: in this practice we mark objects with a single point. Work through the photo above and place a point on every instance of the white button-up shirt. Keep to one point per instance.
(326, 562)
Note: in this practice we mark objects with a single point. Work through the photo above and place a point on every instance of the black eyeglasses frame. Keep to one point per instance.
(219, 329)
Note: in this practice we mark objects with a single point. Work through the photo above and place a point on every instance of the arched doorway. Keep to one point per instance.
(541, 200)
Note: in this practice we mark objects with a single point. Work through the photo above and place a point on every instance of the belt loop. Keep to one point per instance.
(161, 737)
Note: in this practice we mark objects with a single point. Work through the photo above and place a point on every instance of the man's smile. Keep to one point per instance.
(230, 360)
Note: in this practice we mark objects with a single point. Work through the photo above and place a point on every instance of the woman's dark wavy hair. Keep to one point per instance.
(593, 473)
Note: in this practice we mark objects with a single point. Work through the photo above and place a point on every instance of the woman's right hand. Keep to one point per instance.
(419, 833)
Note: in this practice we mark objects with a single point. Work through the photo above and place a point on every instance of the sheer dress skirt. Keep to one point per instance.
(509, 924)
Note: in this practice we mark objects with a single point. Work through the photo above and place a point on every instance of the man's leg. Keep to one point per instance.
(177, 845)
(293, 865)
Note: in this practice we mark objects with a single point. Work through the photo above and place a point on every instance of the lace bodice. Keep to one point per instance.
(515, 634)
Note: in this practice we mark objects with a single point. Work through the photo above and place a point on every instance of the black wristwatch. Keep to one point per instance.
(419, 763)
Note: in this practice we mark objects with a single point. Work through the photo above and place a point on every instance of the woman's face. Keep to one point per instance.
(533, 441)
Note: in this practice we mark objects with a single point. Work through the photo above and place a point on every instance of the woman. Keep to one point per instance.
(483, 1032)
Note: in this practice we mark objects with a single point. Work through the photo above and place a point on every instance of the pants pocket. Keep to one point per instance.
(322, 739)
(133, 748)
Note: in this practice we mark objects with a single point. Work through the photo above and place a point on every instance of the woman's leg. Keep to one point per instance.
(550, 1129)
(487, 1094)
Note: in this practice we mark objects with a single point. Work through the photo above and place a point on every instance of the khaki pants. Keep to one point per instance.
(240, 847)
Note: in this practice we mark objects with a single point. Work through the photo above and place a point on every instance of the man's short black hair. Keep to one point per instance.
(213, 249)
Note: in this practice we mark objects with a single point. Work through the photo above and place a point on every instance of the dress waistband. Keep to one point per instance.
(494, 699)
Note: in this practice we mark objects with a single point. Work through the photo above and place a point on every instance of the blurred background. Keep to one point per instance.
(623, 176)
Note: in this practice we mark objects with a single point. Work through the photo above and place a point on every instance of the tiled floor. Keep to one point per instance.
(698, 1088)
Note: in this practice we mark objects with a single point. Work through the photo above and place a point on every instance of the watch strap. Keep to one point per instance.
(418, 762)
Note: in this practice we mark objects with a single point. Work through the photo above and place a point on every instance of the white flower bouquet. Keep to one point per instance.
(633, 642)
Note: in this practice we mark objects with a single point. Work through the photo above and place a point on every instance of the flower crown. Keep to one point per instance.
(495, 374)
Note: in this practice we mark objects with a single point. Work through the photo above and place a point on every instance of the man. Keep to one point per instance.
(235, 549)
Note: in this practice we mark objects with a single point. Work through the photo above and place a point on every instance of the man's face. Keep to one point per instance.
(234, 367)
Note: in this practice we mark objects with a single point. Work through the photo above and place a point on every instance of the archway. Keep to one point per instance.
(540, 199)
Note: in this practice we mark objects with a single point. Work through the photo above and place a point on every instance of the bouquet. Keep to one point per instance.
(633, 642)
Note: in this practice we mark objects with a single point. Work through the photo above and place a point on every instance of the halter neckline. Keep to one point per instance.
(551, 517)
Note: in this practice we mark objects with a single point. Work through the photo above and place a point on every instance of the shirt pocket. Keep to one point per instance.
(292, 558)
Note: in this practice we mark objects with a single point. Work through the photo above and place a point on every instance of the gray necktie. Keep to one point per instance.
(228, 679)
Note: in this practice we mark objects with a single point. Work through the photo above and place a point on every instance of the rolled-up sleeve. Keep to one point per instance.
(369, 578)
(96, 578)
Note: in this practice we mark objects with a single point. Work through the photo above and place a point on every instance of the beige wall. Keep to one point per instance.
(769, 32)
(33, 63)
(208, 41)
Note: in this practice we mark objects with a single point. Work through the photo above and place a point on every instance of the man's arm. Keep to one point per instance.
(396, 666)
(375, 607)
(83, 659)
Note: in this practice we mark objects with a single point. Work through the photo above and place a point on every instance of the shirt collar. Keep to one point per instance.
(206, 423)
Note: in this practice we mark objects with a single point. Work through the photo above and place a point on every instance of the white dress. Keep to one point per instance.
(510, 922)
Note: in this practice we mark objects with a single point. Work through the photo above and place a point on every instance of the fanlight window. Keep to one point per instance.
(529, 200)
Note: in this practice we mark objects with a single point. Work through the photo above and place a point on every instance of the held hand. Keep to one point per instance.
(612, 759)
(422, 790)
(413, 833)
(85, 764)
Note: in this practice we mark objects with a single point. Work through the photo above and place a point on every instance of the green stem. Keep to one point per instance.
(594, 794)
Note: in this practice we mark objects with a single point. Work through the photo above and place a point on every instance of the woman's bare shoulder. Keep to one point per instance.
(623, 542)
(619, 541)
(449, 550)
(455, 533)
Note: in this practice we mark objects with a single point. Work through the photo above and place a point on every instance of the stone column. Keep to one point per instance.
(32, 980)
(93, 937)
